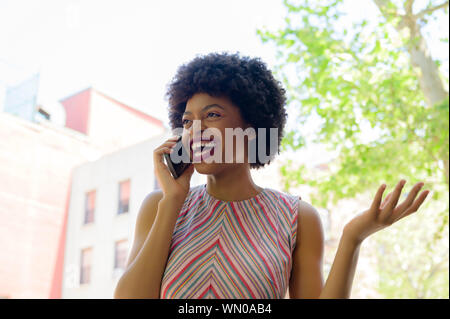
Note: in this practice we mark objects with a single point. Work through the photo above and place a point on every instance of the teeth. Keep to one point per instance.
(197, 145)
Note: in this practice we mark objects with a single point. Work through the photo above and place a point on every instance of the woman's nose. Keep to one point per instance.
(197, 125)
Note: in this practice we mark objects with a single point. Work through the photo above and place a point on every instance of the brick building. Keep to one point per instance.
(36, 164)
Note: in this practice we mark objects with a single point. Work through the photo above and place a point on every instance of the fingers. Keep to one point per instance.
(385, 200)
(415, 205)
(409, 200)
(170, 142)
(160, 150)
(390, 205)
(377, 200)
(166, 147)
(161, 169)
(396, 195)
(174, 138)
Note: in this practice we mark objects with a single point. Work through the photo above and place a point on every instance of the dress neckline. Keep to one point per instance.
(254, 198)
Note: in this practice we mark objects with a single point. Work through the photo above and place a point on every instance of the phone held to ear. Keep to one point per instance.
(176, 169)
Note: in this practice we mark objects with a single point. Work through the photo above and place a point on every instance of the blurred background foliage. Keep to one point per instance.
(377, 76)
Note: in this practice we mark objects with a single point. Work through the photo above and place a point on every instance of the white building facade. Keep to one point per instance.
(100, 228)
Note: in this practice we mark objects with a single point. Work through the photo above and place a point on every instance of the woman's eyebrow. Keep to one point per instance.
(206, 108)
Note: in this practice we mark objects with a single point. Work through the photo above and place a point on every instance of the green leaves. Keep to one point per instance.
(358, 79)
(292, 140)
(370, 73)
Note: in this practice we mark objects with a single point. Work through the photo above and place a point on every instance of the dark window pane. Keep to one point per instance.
(123, 207)
(120, 255)
(85, 266)
(124, 197)
(89, 207)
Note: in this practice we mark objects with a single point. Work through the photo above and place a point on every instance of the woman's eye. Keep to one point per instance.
(185, 121)
(214, 114)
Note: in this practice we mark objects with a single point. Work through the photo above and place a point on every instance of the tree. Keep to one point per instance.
(375, 73)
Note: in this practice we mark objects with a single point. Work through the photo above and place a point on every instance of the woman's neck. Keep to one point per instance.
(233, 184)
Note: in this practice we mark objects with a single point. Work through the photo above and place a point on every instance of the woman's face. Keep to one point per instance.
(215, 114)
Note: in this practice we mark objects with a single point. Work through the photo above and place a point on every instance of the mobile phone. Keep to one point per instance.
(176, 169)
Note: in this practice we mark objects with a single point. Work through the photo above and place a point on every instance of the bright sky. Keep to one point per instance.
(130, 49)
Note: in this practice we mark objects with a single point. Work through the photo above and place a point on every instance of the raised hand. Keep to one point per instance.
(383, 214)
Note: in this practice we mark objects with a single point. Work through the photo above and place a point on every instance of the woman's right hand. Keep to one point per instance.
(172, 188)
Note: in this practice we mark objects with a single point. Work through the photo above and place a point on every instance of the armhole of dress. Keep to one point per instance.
(294, 224)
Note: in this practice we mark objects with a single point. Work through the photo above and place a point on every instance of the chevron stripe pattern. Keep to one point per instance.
(240, 249)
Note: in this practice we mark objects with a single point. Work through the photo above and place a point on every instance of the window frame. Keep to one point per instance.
(83, 278)
(120, 203)
(89, 214)
(125, 254)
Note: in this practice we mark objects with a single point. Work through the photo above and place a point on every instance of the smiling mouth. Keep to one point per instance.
(202, 150)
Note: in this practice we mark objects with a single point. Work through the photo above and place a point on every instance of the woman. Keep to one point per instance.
(231, 238)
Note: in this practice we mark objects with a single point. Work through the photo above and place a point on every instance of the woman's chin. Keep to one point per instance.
(207, 168)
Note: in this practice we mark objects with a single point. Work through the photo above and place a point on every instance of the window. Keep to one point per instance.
(124, 197)
(120, 254)
(85, 265)
(89, 207)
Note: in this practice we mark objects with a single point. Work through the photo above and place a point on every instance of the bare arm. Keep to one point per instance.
(306, 277)
(145, 267)
(342, 272)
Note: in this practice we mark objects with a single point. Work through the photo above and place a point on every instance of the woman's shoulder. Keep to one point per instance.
(297, 204)
(281, 194)
(292, 199)
(152, 199)
(150, 203)
(306, 218)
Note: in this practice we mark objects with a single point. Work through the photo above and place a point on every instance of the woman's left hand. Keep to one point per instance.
(381, 216)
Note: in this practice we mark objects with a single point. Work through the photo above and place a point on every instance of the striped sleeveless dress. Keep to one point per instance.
(238, 249)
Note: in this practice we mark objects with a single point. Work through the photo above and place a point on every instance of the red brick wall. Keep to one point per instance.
(35, 171)
(36, 161)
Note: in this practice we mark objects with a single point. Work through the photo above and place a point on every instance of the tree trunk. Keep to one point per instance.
(430, 80)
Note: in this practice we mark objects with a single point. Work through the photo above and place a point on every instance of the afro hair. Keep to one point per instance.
(245, 81)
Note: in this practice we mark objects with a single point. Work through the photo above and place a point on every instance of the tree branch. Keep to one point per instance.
(424, 12)
(383, 7)
(408, 7)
